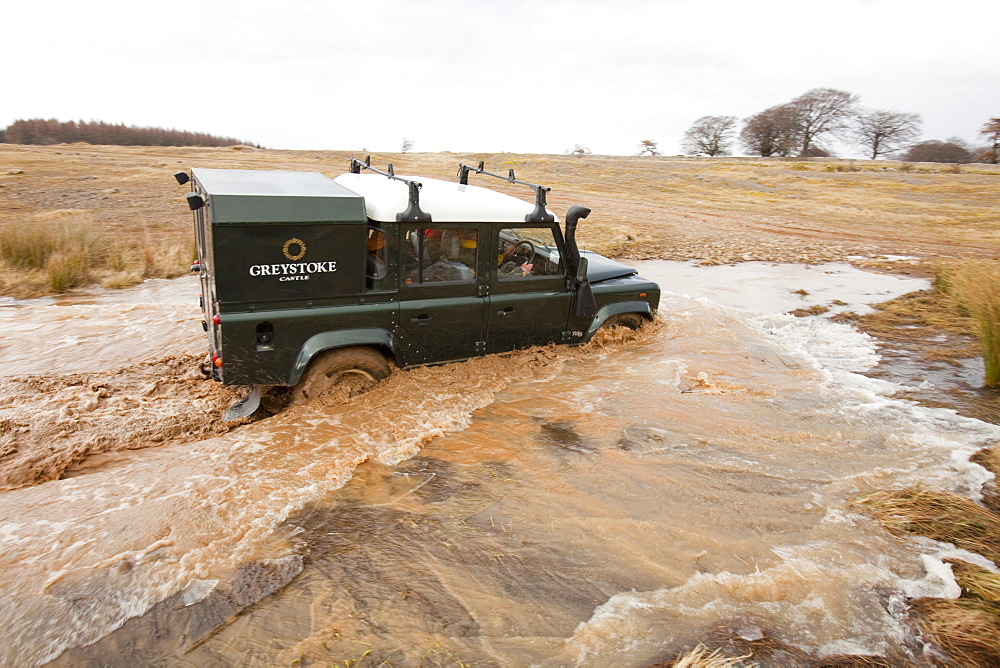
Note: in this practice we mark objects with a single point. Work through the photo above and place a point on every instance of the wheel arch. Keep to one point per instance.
(377, 338)
(608, 310)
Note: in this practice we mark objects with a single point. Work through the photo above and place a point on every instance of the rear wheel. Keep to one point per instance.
(357, 369)
(630, 320)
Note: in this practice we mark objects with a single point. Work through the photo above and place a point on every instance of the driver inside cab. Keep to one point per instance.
(511, 264)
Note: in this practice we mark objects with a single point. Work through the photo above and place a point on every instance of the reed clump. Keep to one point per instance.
(31, 246)
(975, 286)
(59, 251)
(67, 269)
(967, 628)
(701, 657)
(977, 582)
(129, 263)
(62, 251)
(733, 650)
(941, 515)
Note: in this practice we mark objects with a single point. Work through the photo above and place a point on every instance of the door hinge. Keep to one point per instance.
(481, 347)
(484, 290)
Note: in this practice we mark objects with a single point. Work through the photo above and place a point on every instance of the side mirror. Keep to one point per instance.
(581, 269)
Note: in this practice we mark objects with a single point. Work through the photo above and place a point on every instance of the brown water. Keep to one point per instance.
(607, 505)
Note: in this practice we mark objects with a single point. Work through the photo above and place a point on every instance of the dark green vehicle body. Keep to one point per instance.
(288, 270)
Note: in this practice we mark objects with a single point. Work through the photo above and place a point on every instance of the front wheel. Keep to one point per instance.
(631, 320)
(358, 369)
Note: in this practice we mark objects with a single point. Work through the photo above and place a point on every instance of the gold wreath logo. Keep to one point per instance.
(294, 242)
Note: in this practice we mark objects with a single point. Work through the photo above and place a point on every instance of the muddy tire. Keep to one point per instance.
(630, 320)
(359, 369)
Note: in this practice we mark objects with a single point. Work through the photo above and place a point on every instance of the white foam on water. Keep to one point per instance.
(634, 628)
(934, 447)
(840, 353)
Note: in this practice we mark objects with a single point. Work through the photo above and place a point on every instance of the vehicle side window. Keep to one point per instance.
(528, 252)
(441, 255)
(378, 261)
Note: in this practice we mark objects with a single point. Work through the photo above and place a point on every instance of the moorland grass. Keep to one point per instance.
(975, 286)
(69, 255)
(941, 515)
(701, 657)
(62, 251)
(968, 628)
(31, 246)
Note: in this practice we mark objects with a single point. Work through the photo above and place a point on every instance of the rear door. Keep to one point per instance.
(442, 292)
(529, 300)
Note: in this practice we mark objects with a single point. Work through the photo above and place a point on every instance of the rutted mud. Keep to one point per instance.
(56, 425)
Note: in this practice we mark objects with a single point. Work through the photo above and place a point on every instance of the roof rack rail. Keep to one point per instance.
(538, 215)
(413, 212)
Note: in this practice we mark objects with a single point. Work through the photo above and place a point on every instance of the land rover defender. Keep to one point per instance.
(306, 280)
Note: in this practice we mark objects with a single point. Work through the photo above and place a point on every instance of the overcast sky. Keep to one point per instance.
(481, 75)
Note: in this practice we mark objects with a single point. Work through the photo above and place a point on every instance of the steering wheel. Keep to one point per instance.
(521, 252)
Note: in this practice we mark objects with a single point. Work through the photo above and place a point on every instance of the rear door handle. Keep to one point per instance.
(510, 310)
(421, 319)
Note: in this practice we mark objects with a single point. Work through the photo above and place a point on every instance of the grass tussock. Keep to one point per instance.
(67, 269)
(731, 649)
(976, 582)
(60, 250)
(975, 286)
(130, 263)
(30, 246)
(701, 657)
(968, 630)
(989, 458)
(941, 515)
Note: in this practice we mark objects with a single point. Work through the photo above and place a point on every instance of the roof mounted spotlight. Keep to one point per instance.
(182, 177)
(413, 213)
(195, 201)
(538, 214)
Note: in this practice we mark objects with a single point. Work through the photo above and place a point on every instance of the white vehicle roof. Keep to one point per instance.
(445, 201)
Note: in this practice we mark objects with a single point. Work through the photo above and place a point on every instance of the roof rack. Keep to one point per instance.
(413, 212)
(538, 215)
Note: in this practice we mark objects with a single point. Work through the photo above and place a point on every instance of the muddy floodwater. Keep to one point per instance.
(605, 505)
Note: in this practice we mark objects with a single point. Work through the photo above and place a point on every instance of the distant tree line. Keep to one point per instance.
(799, 128)
(52, 131)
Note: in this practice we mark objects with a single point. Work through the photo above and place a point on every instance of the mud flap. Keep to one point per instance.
(243, 408)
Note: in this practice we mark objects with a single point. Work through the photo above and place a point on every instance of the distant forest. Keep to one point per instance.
(51, 131)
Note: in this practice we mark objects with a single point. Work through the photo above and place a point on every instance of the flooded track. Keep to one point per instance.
(606, 505)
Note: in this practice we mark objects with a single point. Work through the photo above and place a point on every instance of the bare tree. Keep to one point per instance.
(648, 146)
(710, 135)
(774, 131)
(822, 111)
(881, 132)
(406, 145)
(991, 130)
